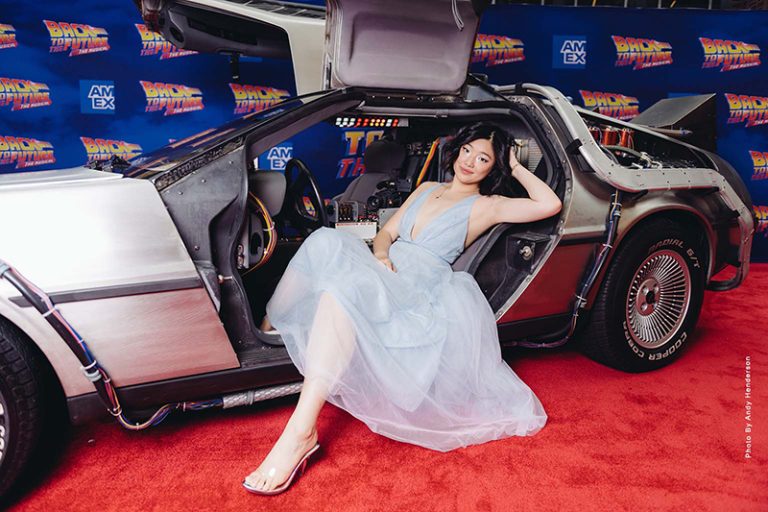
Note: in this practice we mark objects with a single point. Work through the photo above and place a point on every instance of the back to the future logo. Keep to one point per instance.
(7, 36)
(356, 141)
(255, 98)
(761, 213)
(171, 98)
(153, 43)
(104, 149)
(641, 53)
(759, 164)
(78, 38)
(611, 104)
(569, 52)
(495, 50)
(23, 94)
(729, 55)
(25, 152)
(748, 109)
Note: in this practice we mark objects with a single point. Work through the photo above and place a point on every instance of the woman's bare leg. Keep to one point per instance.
(329, 349)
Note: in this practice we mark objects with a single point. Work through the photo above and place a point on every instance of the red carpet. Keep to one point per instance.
(667, 440)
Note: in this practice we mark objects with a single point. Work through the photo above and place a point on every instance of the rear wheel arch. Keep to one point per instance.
(692, 219)
(687, 217)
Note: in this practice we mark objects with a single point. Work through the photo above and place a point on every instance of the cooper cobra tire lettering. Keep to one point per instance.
(672, 348)
(635, 349)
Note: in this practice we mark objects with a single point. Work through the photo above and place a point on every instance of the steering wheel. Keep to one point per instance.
(293, 208)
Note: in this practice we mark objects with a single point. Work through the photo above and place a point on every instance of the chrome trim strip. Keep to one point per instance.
(592, 239)
(109, 292)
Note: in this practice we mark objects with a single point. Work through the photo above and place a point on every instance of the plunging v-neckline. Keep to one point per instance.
(416, 213)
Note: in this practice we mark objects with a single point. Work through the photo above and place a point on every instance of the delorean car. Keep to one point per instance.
(136, 288)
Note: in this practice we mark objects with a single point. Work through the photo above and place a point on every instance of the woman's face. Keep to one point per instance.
(475, 161)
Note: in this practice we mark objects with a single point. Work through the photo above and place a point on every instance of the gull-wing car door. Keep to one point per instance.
(423, 45)
(257, 28)
(407, 45)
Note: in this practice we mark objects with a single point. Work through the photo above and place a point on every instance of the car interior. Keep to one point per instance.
(284, 206)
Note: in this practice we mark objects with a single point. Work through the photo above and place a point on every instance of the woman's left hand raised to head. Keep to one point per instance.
(513, 161)
(542, 202)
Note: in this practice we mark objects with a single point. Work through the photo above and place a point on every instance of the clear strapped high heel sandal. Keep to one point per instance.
(269, 336)
(298, 470)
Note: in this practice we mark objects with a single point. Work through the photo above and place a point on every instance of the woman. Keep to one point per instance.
(397, 338)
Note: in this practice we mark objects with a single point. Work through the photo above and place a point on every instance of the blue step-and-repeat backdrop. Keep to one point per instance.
(88, 80)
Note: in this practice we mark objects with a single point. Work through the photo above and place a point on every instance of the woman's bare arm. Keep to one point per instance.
(542, 201)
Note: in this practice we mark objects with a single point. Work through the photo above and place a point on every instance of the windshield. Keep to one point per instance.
(170, 155)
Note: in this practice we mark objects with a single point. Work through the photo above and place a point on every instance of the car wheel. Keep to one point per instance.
(650, 298)
(20, 399)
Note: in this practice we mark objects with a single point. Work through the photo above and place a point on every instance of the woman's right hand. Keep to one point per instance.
(386, 261)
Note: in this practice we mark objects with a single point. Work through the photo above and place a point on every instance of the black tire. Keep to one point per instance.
(21, 420)
(650, 298)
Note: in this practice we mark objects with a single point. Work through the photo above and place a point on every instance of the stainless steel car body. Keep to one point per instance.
(110, 253)
(671, 191)
(653, 179)
(149, 267)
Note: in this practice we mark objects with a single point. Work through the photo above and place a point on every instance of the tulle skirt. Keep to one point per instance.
(414, 354)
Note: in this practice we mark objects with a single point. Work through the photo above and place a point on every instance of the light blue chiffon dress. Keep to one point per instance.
(414, 353)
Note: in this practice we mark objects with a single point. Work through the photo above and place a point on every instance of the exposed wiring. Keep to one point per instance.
(614, 214)
(430, 155)
(89, 366)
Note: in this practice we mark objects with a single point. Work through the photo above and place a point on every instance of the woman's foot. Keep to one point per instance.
(282, 459)
(266, 326)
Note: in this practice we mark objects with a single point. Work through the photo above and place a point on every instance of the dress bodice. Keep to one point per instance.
(444, 235)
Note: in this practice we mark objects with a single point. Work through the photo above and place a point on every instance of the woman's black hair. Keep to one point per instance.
(499, 180)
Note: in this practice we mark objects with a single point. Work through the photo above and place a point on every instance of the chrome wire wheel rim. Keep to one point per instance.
(5, 421)
(658, 299)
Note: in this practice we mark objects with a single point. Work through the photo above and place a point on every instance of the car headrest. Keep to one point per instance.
(383, 156)
(269, 186)
(528, 153)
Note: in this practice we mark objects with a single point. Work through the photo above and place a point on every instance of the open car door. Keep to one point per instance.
(253, 28)
(408, 45)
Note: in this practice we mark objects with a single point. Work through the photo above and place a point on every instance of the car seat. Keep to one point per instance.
(269, 187)
(383, 159)
(530, 155)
